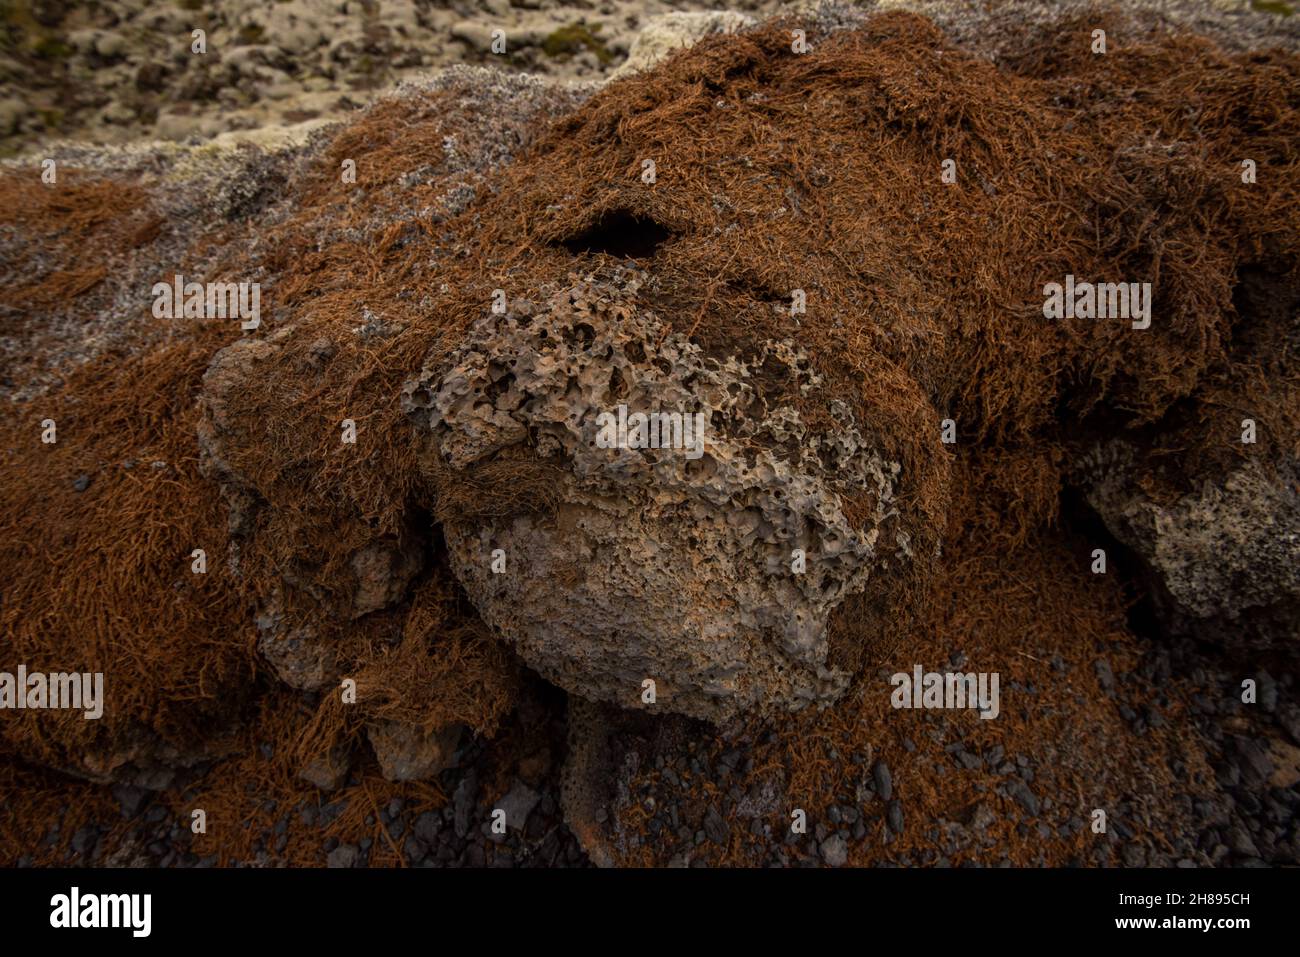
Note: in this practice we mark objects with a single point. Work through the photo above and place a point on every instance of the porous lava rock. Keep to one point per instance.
(710, 570)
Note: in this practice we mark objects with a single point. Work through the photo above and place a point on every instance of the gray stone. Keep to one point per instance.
(980, 817)
(883, 780)
(1026, 798)
(518, 804)
(1226, 555)
(1267, 692)
(130, 799)
(298, 659)
(1251, 759)
(894, 816)
(345, 855)
(328, 771)
(715, 828)
(464, 800)
(383, 571)
(1105, 677)
(408, 753)
(414, 849)
(835, 851)
(1240, 842)
(84, 841)
(427, 826)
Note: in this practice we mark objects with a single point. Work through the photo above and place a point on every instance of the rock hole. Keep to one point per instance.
(702, 468)
(617, 387)
(499, 387)
(620, 233)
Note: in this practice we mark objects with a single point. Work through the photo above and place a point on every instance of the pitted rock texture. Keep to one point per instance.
(676, 565)
(1226, 557)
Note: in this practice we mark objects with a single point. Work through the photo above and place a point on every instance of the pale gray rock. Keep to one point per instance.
(665, 34)
(518, 804)
(1225, 558)
(344, 856)
(835, 851)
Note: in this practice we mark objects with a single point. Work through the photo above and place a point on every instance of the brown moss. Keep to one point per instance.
(924, 303)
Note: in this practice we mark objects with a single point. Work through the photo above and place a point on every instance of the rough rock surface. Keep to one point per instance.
(677, 567)
(383, 571)
(299, 660)
(1226, 556)
(407, 753)
(663, 34)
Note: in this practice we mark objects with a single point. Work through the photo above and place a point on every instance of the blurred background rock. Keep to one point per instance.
(116, 70)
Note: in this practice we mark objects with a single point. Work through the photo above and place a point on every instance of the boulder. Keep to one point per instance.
(711, 568)
(1223, 559)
